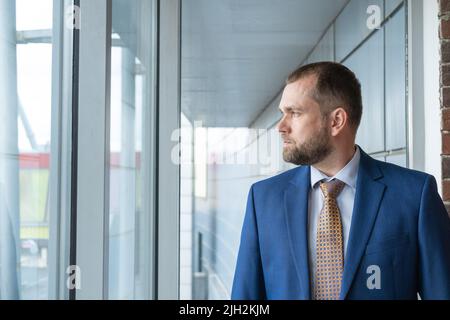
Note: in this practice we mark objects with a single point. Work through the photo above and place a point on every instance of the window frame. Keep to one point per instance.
(169, 120)
(92, 198)
(60, 155)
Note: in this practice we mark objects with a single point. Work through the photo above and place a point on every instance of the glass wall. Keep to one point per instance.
(37, 55)
(131, 132)
(28, 244)
(233, 73)
(379, 60)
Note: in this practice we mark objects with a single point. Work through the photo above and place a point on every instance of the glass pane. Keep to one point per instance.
(324, 51)
(391, 5)
(396, 81)
(26, 95)
(371, 131)
(399, 159)
(132, 96)
(380, 158)
(352, 25)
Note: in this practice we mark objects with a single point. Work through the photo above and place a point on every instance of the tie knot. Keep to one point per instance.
(331, 189)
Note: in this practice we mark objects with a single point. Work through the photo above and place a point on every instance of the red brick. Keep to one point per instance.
(445, 97)
(445, 75)
(446, 190)
(445, 29)
(444, 6)
(445, 51)
(445, 167)
(445, 119)
(446, 143)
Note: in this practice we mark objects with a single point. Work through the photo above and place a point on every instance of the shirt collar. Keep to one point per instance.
(347, 174)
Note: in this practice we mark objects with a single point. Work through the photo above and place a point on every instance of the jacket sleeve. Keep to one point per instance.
(434, 244)
(248, 281)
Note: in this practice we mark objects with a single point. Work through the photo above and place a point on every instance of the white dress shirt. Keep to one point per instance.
(345, 201)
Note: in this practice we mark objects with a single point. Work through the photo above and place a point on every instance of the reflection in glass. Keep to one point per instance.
(132, 74)
(25, 110)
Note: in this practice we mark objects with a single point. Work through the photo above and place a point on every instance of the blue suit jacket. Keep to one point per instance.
(399, 224)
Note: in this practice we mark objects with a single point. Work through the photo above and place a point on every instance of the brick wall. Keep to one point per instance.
(444, 35)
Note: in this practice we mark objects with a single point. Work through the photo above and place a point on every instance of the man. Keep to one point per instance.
(342, 225)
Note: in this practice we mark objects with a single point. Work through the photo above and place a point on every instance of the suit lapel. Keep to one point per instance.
(296, 212)
(369, 193)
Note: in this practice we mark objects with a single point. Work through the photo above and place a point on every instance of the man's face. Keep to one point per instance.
(304, 130)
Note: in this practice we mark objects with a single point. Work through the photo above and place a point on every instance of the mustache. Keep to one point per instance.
(286, 139)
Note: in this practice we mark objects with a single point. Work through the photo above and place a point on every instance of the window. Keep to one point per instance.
(31, 148)
(131, 163)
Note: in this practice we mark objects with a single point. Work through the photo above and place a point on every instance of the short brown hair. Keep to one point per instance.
(335, 82)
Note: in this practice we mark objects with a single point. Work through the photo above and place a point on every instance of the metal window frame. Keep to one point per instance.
(60, 163)
(149, 163)
(92, 214)
(79, 218)
(415, 85)
(89, 244)
(168, 179)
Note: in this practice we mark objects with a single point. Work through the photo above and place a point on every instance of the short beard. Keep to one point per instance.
(312, 151)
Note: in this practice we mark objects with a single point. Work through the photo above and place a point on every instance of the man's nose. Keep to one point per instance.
(282, 125)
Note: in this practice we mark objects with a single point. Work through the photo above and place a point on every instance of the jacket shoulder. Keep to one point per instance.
(402, 175)
(277, 181)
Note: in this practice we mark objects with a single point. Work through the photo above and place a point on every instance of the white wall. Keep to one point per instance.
(431, 90)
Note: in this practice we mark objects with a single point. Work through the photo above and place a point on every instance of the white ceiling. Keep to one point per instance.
(236, 54)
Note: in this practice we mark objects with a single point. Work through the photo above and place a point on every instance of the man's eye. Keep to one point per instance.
(296, 114)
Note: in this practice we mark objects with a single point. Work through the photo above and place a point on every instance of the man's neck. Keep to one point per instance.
(335, 161)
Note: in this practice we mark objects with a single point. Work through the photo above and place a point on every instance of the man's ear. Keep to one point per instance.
(339, 119)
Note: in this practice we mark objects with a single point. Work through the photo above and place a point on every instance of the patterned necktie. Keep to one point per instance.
(329, 245)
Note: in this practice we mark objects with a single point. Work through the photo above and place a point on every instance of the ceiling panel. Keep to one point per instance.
(237, 53)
